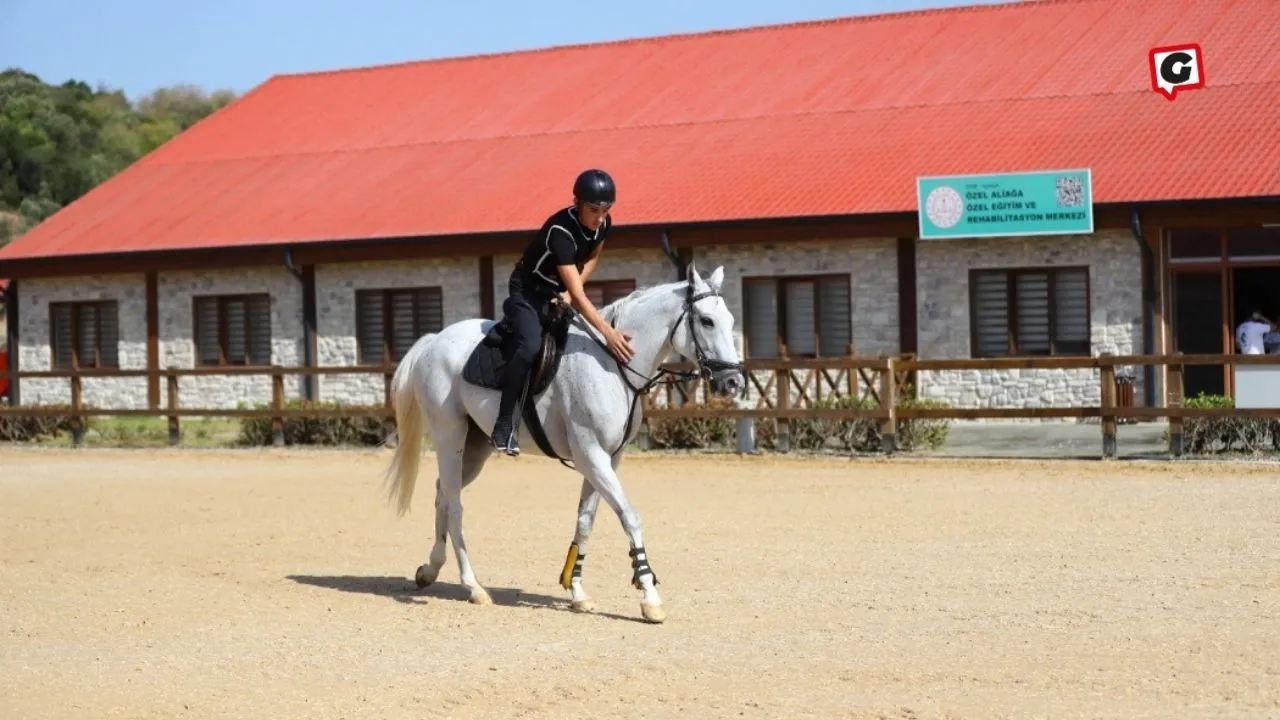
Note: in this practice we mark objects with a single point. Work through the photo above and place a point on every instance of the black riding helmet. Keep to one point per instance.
(595, 187)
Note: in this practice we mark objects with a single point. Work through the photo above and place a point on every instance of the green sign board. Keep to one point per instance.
(1051, 202)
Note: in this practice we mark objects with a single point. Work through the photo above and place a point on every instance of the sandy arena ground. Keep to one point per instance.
(276, 584)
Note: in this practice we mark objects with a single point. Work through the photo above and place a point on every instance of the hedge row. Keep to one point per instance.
(1206, 436)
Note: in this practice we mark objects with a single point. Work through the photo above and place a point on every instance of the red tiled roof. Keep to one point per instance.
(823, 118)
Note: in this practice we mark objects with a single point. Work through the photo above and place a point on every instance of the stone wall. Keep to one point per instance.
(336, 287)
(36, 353)
(942, 279)
(177, 346)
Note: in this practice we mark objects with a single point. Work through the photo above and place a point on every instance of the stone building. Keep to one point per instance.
(333, 217)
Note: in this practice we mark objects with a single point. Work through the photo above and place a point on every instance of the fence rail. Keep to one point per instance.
(781, 390)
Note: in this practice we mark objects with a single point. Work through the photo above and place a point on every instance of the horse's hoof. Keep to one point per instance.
(653, 613)
(480, 597)
(425, 575)
(582, 606)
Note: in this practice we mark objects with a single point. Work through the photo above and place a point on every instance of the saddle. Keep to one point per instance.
(487, 362)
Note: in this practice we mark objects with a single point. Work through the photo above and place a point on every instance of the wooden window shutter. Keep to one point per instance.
(990, 313)
(63, 335)
(1033, 322)
(835, 321)
(235, 319)
(109, 334)
(800, 303)
(370, 325)
(430, 311)
(760, 300)
(1071, 311)
(403, 330)
(258, 322)
(208, 340)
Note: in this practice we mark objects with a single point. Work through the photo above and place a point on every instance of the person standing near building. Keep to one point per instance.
(1252, 333)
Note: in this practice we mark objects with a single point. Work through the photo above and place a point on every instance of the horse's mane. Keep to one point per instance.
(613, 311)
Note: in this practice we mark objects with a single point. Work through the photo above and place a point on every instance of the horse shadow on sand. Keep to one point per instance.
(404, 590)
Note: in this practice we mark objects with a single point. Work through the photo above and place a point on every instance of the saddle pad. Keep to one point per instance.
(484, 367)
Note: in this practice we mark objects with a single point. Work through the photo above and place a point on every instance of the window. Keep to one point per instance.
(233, 329)
(389, 322)
(604, 292)
(808, 315)
(84, 334)
(1042, 311)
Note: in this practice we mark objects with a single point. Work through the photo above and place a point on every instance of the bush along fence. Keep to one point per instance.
(845, 404)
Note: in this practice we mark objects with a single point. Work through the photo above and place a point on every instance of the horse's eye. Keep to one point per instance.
(707, 322)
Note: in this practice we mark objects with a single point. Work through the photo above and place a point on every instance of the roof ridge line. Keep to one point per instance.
(158, 160)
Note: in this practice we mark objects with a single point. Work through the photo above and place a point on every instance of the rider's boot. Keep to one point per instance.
(504, 435)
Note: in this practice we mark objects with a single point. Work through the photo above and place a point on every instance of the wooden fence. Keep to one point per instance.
(781, 390)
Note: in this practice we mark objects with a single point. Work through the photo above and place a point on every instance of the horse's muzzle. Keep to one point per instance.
(729, 382)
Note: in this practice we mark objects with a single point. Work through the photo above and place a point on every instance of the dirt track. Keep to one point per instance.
(192, 584)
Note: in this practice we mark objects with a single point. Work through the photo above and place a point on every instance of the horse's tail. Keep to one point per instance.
(402, 474)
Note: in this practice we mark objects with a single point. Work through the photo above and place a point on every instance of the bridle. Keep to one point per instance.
(707, 365)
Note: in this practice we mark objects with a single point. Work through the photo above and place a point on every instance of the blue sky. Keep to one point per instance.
(139, 45)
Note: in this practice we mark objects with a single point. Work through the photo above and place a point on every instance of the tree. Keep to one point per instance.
(57, 142)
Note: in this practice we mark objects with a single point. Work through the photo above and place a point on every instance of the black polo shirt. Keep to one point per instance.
(561, 241)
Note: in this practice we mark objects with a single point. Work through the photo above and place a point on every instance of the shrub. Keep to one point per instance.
(365, 431)
(694, 433)
(38, 428)
(1203, 436)
(922, 433)
(858, 434)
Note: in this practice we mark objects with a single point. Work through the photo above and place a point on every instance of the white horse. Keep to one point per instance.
(589, 413)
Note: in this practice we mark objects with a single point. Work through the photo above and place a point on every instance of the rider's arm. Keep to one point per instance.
(590, 264)
(573, 281)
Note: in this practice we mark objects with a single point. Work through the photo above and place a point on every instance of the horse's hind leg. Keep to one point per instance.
(598, 468)
(571, 576)
(476, 451)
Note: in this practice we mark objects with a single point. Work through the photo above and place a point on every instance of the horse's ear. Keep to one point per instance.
(716, 280)
(694, 279)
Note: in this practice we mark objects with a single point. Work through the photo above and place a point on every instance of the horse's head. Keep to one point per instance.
(705, 333)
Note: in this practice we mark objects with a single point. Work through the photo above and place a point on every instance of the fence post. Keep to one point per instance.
(783, 424)
(889, 401)
(1173, 393)
(1108, 376)
(277, 404)
(77, 420)
(172, 383)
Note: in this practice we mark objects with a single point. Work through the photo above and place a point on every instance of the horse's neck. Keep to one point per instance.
(649, 320)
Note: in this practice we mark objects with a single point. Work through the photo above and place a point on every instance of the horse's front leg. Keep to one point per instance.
(571, 575)
(599, 470)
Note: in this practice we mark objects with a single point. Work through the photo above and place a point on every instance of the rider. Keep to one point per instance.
(556, 262)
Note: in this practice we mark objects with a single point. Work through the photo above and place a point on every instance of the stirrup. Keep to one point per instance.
(511, 447)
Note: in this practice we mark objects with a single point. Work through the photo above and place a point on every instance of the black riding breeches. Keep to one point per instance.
(525, 309)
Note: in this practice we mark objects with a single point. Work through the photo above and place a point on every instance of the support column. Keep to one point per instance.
(486, 287)
(310, 383)
(13, 319)
(153, 339)
(908, 328)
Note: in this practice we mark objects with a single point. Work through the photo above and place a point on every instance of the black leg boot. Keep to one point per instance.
(504, 430)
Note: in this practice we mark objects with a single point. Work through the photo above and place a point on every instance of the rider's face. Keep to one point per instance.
(592, 215)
